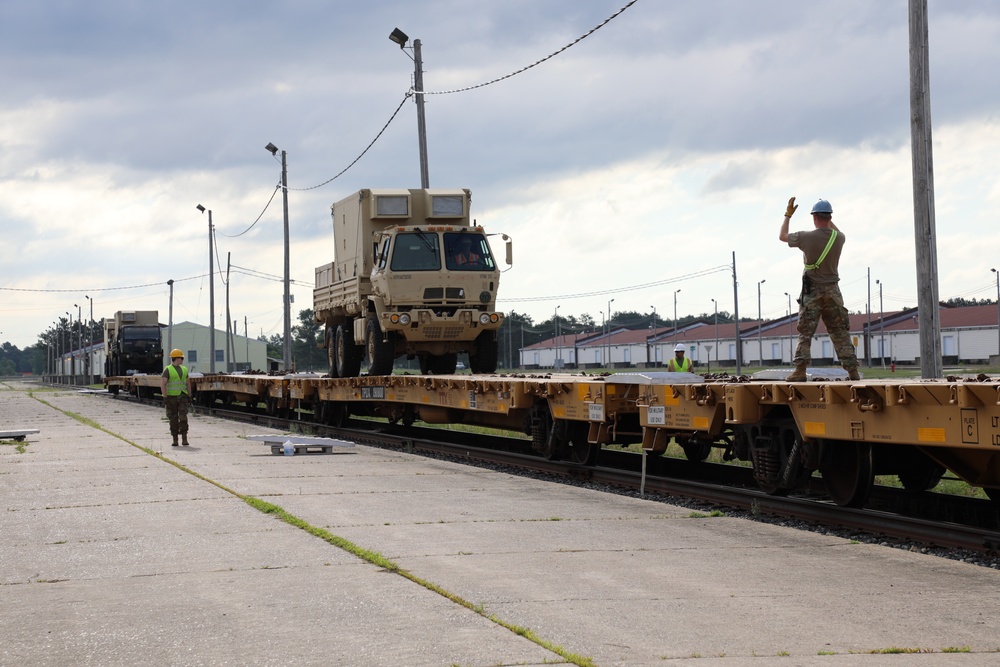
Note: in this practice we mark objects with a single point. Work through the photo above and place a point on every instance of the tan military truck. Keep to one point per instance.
(133, 343)
(412, 274)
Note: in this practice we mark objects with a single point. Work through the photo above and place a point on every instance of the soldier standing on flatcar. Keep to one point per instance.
(820, 297)
(175, 386)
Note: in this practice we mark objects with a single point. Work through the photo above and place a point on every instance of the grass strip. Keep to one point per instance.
(367, 555)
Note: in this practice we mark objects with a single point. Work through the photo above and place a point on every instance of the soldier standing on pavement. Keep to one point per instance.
(175, 386)
(820, 297)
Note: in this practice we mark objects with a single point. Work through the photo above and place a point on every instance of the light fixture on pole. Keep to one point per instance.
(555, 329)
(69, 345)
(715, 305)
(998, 308)
(90, 341)
(287, 351)
(211, 292)
(881, 325)
(400, 37)
(675, 314)
(607, 340)
(652, 330)
(791, 336)
(79, 337)
(760, 325)
(170, 318)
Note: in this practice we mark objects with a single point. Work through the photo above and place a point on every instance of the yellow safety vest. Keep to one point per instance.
(177, 382)
(683, 367)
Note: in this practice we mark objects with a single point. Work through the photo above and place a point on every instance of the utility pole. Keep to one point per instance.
(760, 324)
(736, 317)
(925, 236)
(229, 321)
(211, 293)
(170, 318)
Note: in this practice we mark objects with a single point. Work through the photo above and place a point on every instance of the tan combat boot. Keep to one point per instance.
(174, 443)
(799, 375)
(852, 374)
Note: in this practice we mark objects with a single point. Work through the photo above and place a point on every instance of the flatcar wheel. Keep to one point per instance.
(696, 452)
(917, 479)
(577, 449)
(849, 476)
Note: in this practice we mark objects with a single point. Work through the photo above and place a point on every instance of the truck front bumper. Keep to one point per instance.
(426, 325)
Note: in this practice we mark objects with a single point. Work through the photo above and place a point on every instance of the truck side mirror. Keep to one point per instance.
(510, 250)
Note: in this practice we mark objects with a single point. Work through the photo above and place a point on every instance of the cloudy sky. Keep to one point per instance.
(631, 165)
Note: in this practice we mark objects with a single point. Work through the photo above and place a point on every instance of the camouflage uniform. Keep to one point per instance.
(822, 298)
(825, 301)
(177, 414)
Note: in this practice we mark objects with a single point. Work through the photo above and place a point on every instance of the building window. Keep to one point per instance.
(220, 355)
(192, 356)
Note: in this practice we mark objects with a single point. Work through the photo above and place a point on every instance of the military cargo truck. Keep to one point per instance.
(412, 274)
(132, 343)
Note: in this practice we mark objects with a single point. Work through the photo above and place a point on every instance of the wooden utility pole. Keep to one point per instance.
(925, 236)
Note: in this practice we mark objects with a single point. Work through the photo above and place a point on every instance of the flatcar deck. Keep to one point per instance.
(848, 429)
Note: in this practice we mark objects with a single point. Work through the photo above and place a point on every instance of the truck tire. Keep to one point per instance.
(483, 358)
(379, 352)
(347, 355)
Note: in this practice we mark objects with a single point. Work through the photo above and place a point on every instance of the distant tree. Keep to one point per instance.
(305, 337)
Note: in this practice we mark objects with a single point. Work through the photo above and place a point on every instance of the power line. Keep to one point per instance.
(534, 64)
(620, 290)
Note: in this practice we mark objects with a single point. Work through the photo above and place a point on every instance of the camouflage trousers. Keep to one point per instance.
(177, 413)
(825, 301)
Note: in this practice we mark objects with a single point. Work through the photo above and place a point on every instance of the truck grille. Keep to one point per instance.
(443, 332)
(439, 293)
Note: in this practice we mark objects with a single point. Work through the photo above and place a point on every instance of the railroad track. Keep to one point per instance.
(712, 484)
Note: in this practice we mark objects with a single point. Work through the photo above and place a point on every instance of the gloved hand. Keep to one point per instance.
(791, 208)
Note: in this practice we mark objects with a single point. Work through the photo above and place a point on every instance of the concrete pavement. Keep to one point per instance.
(111, 555)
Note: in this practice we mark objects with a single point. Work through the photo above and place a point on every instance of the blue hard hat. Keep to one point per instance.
(822, 206)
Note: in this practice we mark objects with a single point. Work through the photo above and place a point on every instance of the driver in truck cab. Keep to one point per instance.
(462, 253)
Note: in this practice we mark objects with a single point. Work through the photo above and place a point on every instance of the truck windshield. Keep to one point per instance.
(468, 252)
(141, 333)
(416, 251)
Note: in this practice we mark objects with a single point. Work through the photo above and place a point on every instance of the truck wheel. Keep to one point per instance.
(380, 353)
(347, 355)
(484, 355)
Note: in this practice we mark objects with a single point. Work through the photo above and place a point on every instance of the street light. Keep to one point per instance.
(760, 324)
(400, 37)
(90, 340)
(287, 351)
(675, 314)
(652, 328)
(211, 293)
(79, 337)
(881, 325)
(998, 308)
(791, 338)
(607, 341)
(555, 328)
(715, 306)
(69, 345)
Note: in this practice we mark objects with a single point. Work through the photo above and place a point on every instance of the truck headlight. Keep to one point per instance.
(484, 318)
(404, 319)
